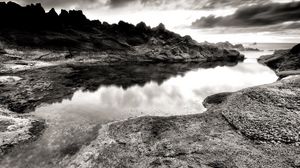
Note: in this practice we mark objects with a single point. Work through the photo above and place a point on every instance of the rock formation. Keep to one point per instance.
(16, 129)
(32, 27)
(227, 45)
(283, 62)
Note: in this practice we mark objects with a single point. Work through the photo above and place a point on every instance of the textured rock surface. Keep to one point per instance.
(267, 115)
(215, 100)
(270, 112)
(17, 129)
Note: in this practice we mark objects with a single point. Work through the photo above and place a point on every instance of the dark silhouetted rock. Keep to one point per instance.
(31, 27)
(296, 49)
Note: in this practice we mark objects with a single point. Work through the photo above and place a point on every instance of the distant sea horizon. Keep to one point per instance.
(270, 46)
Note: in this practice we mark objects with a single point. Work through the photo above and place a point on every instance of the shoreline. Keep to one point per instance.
(213, 138)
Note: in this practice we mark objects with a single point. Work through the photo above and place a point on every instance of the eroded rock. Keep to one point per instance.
(17, 129)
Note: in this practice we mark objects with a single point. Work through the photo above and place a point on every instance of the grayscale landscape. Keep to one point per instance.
(150, 83)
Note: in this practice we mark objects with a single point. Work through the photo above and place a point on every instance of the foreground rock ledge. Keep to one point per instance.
(267, 114)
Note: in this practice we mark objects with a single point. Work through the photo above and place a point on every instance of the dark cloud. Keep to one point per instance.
(119, 3)
(281, 29)
(80, 4)
(160, 4)
(254, 16)
(187, 4)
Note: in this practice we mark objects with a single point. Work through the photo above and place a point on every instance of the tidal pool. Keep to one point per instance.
(135, 92)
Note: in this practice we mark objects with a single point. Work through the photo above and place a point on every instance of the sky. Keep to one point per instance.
(236, 21)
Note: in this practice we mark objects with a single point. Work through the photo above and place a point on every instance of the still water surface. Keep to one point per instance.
(74, 122)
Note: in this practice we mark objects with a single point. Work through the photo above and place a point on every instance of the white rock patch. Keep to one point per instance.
(9, 79)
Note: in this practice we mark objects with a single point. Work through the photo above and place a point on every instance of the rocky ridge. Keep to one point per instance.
(71, 34)
(227, 45)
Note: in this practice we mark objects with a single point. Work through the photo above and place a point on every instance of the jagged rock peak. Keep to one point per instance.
(161, 27)
(63, 13)
(52, 12)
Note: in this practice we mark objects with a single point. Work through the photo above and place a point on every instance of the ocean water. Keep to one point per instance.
(74, 122)
(270, 46)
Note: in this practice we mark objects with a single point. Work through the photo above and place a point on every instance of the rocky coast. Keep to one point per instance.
(44, 56)
(253, 127)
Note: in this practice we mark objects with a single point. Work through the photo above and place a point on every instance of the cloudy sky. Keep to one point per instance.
(205, 20)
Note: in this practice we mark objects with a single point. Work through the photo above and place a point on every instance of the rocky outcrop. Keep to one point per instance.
(17, 129)
(255, 127)
(30, 27)
(295, 50)
(283, 62)
(228, 46)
